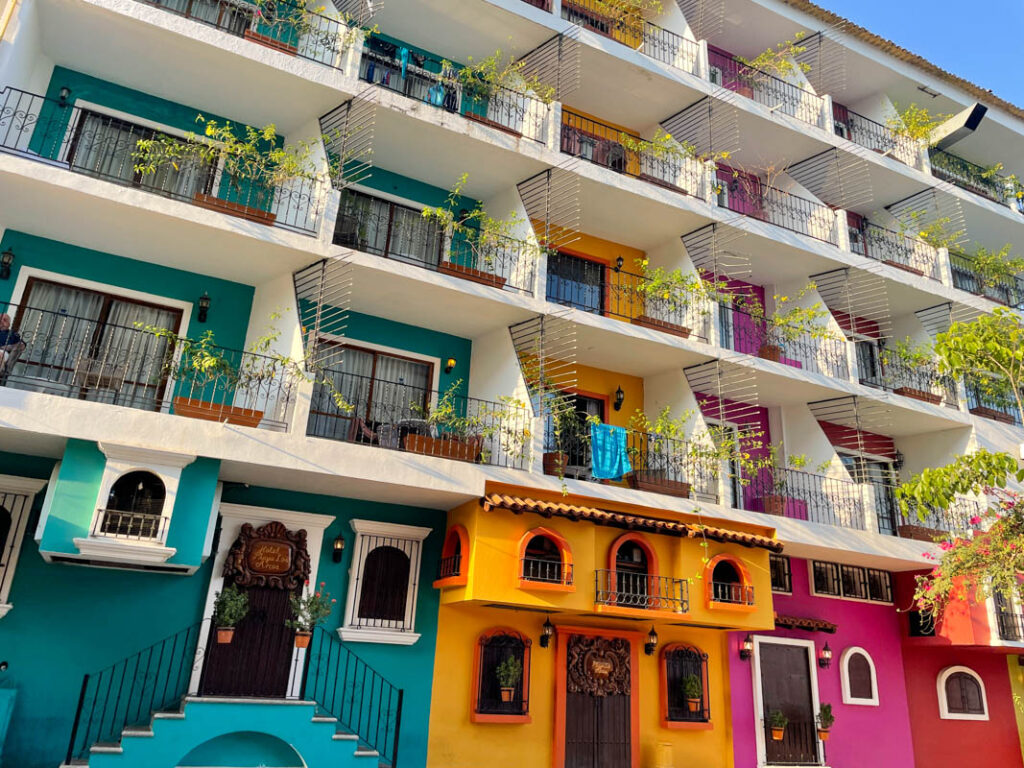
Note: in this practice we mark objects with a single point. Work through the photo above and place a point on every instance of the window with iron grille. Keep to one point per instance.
(686, 667)
(782, 577)
(851, 582)
(383, 582)
(496, 648)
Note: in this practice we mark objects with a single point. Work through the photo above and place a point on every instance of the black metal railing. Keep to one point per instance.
(773, 92)
(742, 332)
(801, 495)
(418, 79)
(130, 525)
(284, 26)
(449, 566)
(875, 136)
(799, 744)
(967, 277)
(626, 589)
(614, 20)
(395, 415)
(610, 147)
(935, 522)
(1010, 624)
(98, 145)
(896, 249)
(660, 464)
(546, 571)
(377, 226)
(88, 359)
(746, 195)
(989, 405)
(365, 702)
(669, 48)
(730, 592)
(921, 382)
(974, 178)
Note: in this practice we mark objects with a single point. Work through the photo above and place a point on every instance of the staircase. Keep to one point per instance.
(141, 712)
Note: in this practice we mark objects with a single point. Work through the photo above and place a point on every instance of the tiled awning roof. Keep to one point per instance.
(810, 625)
(519, 505)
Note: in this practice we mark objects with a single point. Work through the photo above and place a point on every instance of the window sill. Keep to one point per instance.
(383, 636)
(451, 581)
(715, 605)
(545, 586)
(478, 717)
(645, 613)
(953, 716)
(5, 608)
(121, 551)
(687, 725)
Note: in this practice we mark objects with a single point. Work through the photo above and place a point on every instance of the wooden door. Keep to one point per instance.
(786, 687)
(597, 703)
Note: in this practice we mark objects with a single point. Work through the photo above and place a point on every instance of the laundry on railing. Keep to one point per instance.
(609, 457)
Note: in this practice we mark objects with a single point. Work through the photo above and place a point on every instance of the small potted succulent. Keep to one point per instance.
(509, 672)
(693, 691)
(825, 721)
(309, 609)
(778, 722)
(230, 606)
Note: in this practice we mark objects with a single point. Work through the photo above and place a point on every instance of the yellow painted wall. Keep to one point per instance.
(1017, 687)
(600, 382)
(605, 131)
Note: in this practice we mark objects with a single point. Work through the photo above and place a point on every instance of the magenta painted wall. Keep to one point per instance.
(862, 737)
(955, 743)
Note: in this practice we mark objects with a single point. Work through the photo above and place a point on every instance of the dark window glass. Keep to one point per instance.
(494, 651)
(826, 578)
(858, 672)
(542, 560)
(921, 624)
(782, 578)
(631, 574)
(682, 664)
(385, 586)
(879, 585)
(963, 695)
(576, 282)
(134, 506)
(854, 582)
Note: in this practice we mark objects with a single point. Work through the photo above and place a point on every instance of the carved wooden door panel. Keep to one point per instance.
(597, 703)
(270, 563)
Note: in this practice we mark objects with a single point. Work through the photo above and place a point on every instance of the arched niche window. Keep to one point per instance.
(857, 673)
(385, 587)
(452, 571)
(684, 681)
(632, 581)
(961, 695)
(135, 506)
(728, 583)
(545, 560)
(502, 679)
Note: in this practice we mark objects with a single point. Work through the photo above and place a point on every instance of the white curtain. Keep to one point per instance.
(57, 325)
(133, 358)
(414, 238)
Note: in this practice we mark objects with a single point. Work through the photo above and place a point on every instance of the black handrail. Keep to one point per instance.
(881, 138)
(627, 589)
(981, 402)
(769, 90)
(896, 249)
(973, 177)
(966, 277)
(921, 382)
(668, 47)
(751, 197)
(788, 492)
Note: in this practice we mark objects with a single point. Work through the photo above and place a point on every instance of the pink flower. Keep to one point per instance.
(976, 520)
(333, 600)
(316, 594)
(928, 556)
(307, 582)
(322, 583)
(945, 545)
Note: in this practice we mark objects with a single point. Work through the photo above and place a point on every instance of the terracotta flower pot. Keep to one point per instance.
(771, 352)
(225, 635)
(823, 734)
(507, 695)
(774, 505)
(778, 734)
(458, 448)
(693, 705)
(201, 409)
(919, 394)
(555, 461)
(302, 638)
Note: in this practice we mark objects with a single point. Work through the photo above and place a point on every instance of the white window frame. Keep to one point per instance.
(412, 536)
(23, 491)
(940, 685)
(844, 676)
(759, 713)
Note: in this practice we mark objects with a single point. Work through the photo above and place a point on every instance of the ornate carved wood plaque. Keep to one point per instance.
(268, 556)
(598, 665)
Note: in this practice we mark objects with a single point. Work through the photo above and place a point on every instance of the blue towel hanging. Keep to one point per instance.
(403, 56)
(609, 457)
(436, 94)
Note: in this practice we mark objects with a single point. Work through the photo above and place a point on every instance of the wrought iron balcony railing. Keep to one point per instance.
(747, 195)
(101, 146)
(974, 178)
(120, 524)
(984, 403)
(967, 277)
(450, 566)
(732, 593)
(669, 48)
(933, 524)
(921, 382)
(1010, 624)
(878, 137)
(87, 359)
(284, 26)
(397, 416)
(728, 72)
(546, 571)
(397, 232)
(896, 249)
(742, 332)
(626, 589)
(798, 495)
(610, 147)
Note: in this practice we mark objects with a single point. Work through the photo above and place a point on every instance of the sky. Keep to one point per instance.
(977, 40)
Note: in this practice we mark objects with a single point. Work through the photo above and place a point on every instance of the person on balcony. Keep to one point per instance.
(11, 345)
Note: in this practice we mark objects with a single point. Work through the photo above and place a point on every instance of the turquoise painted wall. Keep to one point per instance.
(426, 194)
(230, 302)
(192, 509)
(247, 749)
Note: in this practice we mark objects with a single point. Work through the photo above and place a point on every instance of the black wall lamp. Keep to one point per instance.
(204, 306)
(747, 648)
(64, 93)
(618, 264)
(337, 548)
(449, 365)
(6, 260)
(546, 632)
(652, 642)
(619, 397)
(825, 657)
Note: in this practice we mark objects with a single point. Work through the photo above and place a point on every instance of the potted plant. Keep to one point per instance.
(905, 364)
(660, 457)
(774, 331)
(693, 691)
(825, 721)
(509, 673)
(668, 300)
(778, 722)
(230, 606)
(309, 610)
(452, 435)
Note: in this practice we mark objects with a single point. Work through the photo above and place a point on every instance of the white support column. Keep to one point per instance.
(826, 119)
(702, 69)
(298, 419)
(842, 230)
(710, 181)
(554, 139)
(945, 268)
(331, 204)
(537, 445)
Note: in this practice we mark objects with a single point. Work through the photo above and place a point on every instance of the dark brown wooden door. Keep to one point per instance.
(786, 687)
(597, 703)
(259, 659)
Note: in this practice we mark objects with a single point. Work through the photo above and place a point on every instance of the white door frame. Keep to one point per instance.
(233, 516)
(759, 714)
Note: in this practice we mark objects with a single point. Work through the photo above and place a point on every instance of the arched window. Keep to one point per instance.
(385, 587)
(961, 695)
(728, 584)
(632, 581)
(545, 559)
(452, 571)
(857, 673)
(631, 575)
(684, 685)
(135, 506)
(502, 674)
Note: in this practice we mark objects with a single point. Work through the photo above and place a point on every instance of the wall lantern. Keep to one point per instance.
(204, 306)
(619, 397)
(747, 648)
(546, 632)
(618, 264)
(449, 365)
(825, 657)
(337, 548)
(652, 642)
(64, 93)
(6, 259)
